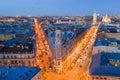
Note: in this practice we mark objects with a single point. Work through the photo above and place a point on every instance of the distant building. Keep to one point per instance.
(94, 18)
(101, 34)
(68, 35)
(63, 38)
(7, 20)
(106, 19)
(19, 73)
(106, 45)
(105, 66)
(109, 28)
(113, 35)
(59, 21)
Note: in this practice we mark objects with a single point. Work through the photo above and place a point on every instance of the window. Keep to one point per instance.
(7, 56)
(11, 56)
(101, 78)
(3, 57)
(28, 57)
(58, 63)
(15, 62)
(14, 56)
(12, 62)
(105, 78)
(29, 63)
(97, 78)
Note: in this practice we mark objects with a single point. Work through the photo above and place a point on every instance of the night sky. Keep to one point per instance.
(58, 7)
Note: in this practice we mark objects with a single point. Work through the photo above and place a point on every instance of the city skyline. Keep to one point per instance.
(59, 40)
(58, 7)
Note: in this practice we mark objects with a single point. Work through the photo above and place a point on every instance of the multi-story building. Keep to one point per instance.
(17, 52)
(106, 19)
(106, 45)
(109, 28)
(105, 63)
(17, 45)
(113, 35)
(105, 66)
(20, 73)
(68, 35)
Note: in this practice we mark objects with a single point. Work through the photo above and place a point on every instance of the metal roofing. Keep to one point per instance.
(64, 36)
(110, 55)
(65, 24)
(18, 73)
(104, 41)
(16, 30)
(14, 40)
(100, 64)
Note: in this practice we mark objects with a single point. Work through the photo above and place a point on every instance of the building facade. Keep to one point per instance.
(106, 45)
(17, 59)
(105, 66)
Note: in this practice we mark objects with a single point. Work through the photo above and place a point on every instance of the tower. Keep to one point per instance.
(58, 42)
(58, 52)
(94, 18)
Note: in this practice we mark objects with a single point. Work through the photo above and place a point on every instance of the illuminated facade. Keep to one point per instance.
(94, 18)
(17, 59)
(58, 52)
(106, 19)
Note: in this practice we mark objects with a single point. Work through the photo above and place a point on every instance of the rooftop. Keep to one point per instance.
(18, 73)
(21, 41)
(15, 29)
(64, 24)
(17, 45)
(101, 66)
(109, 28)
(105, 41)
(64, 35)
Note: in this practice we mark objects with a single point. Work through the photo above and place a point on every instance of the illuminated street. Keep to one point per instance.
(43, 52)
(76, 63)
(74, 74)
